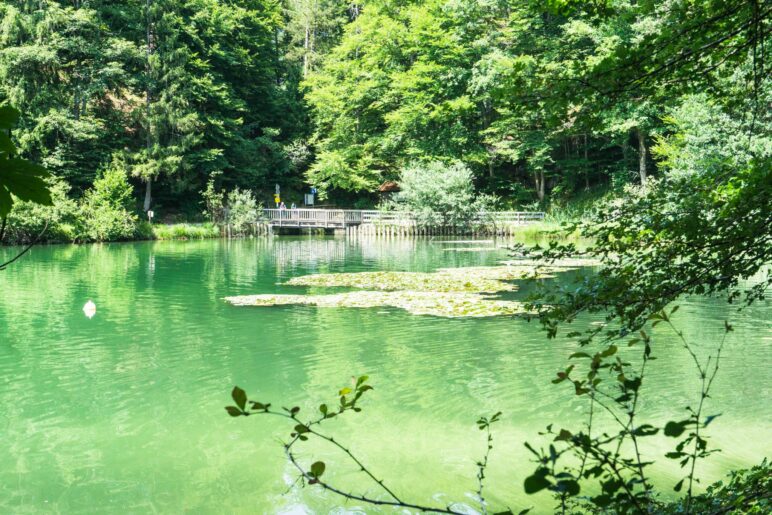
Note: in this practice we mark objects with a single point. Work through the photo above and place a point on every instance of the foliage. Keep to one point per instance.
(513, 89)
(214, 203)
(305, 430)
(614, 386)
(107, 209)
(243, 211)
(237, 208)
(18, 177)
(58, 223)
(182, 88)
(746, 491)
(702, 228)
(440, 195)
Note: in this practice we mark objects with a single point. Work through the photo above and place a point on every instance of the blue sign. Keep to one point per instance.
(313, 191)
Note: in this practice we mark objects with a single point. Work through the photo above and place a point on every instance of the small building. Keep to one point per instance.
(388, 188)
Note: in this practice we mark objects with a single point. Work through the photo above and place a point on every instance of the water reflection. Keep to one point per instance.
(123, 412)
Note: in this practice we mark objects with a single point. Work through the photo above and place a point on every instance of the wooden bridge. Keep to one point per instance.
(344, 218)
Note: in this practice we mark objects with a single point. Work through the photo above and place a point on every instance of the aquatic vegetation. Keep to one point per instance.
(467, 279)
(566, 263)
(441, 304)
(471, 249)
(475, 242)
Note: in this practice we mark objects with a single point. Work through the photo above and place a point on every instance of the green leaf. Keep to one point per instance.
(25, 180)
(678, 486)
(536, 483)
(9, 117)
(610, 351)
(300, 429)
(645, 430)
(569, 486)
(579, 355)
(239, 397)
(344, 391)
(317, 469)
(323, 409)
(675, 429)
(6, 145)
(233, 411)
(6, 202)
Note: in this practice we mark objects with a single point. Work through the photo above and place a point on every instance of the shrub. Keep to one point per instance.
(106, 209)
(242, 211)
(440, 194)
(214, 203)
(238, 208)
(27, 220)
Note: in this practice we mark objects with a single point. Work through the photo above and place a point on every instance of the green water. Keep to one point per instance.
(123, 413)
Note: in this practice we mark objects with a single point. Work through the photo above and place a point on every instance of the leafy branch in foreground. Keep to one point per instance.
(304, 430)
(614, 387)
(18, 178)
(572, 460)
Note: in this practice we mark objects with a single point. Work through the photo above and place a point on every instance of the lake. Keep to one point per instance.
(123, 412)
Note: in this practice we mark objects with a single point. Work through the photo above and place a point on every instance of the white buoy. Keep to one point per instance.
(89, 309)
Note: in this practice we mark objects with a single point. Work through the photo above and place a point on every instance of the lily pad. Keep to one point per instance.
(468, 279)
(565, 263)
(441, 304)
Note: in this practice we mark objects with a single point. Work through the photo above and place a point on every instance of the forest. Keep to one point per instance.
(643, 127)
(542, 101)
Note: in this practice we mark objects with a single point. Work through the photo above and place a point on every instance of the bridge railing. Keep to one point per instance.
(343, 217)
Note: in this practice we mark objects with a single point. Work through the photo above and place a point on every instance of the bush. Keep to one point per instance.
(237, 208)
(242, 211)
(106, 212)
(28, 220)
(214, 203)
(440, 194)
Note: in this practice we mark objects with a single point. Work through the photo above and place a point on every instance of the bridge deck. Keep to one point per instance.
(342, 218)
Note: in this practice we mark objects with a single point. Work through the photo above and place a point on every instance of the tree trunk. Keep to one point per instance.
(586, 165)
(538, 176)
(306, 49)
(641, 155)
(148, 101)
(148, 194)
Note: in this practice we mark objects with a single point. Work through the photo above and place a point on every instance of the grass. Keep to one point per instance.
(184, 231)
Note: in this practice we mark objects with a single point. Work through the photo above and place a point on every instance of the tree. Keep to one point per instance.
(439, 194)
